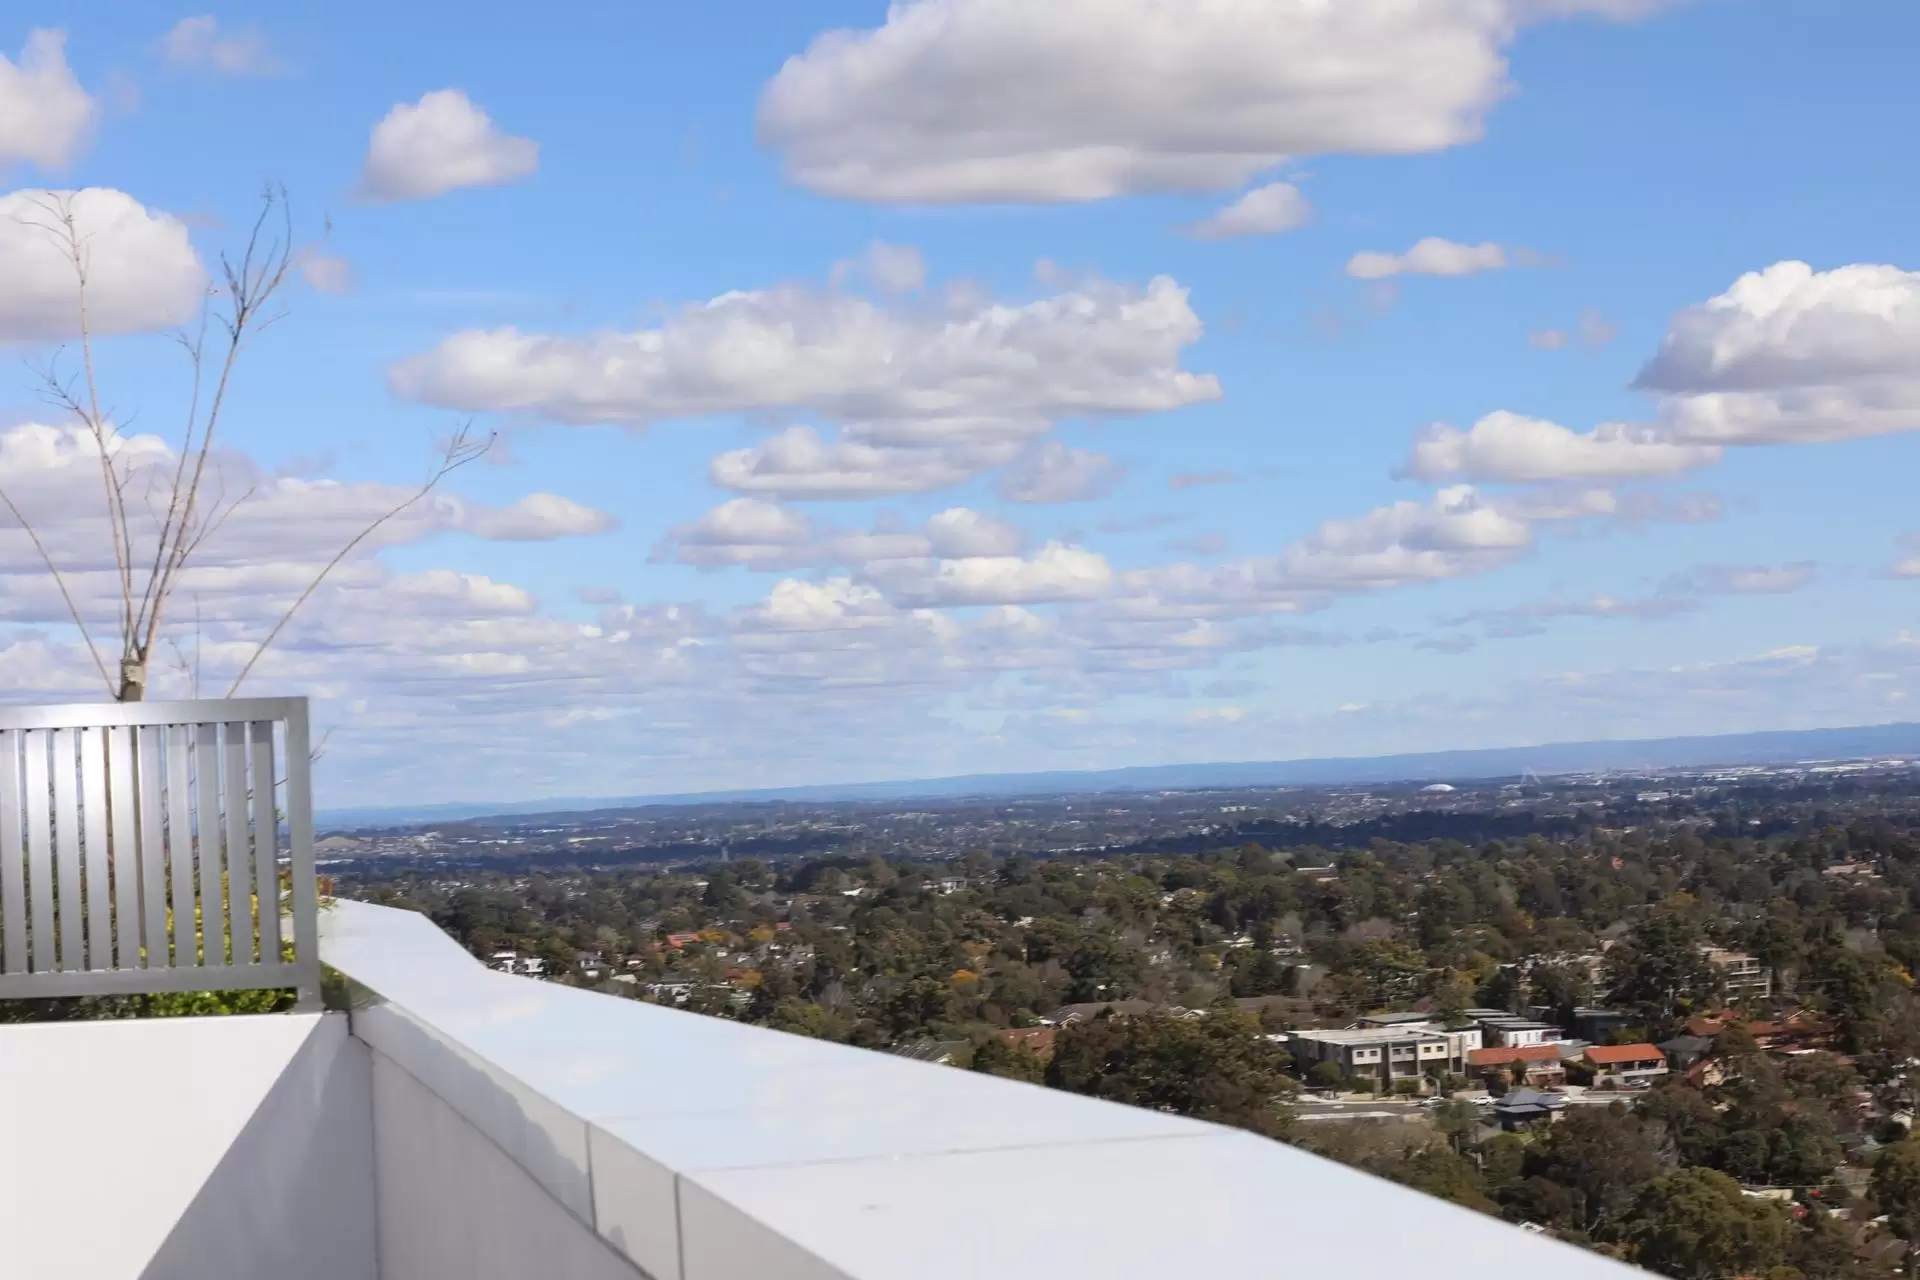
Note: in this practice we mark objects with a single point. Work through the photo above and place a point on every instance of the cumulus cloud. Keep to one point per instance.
(1456, 534)
(439, 144)
(539, 517)
(1055, 472)
(962, 533)
(1791, 355)
(198, 43)
(1053, 573)
(143, 271)
(1264, 211)
(46, 118)
(757, 534)
(1007, 100)
(1436, 257)
(895, 268)
(902, 376)
(743, 531)
(799, 463)
(327, 273)
(265, 551)
(922, 398)
(1510, 448)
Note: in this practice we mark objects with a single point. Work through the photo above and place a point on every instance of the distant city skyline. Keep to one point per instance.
(984, 386)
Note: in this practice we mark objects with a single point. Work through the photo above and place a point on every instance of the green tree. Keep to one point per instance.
(1659, 969)
(1216, 1068)
(1326, 1075)
(1696, 1225)
(1895, 1187)
(1603, 1157)
(1445, 1174)
(1501, 1157)
(995, 1057)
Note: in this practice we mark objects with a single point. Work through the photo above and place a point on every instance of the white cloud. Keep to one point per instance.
(764, 535)
(987, 100)
(743, 531)
(539, 517)
(1054, 472)
(799, 464)
(46, 118)
(1791, 355)
(1456, 534)
(271, 545)
(327, 273)
(922, 398)
(962, 533)
(991, 370)
(838, 604)
(461, 593)
(896, 268)
(439, 144)
(1264, 211)
(198, 43)
(1055, 572)
(1510, 448)
(143, 271)
(1432, 257)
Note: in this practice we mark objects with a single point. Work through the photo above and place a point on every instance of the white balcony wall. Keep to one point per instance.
(186, 1149)
(452, 1203)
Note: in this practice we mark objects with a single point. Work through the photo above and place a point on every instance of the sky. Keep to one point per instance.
(980, 385)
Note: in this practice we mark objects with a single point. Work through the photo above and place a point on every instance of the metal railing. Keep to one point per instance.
(143, 846)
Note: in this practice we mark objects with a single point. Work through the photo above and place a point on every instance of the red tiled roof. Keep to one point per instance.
(1798, 1023)
(1039, 1039)
(1517, 1053)
(1609, 1054)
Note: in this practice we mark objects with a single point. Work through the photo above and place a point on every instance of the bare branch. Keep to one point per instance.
(461, 449)
(60, 581)
(261, 271)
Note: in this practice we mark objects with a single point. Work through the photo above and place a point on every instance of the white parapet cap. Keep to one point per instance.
(701, 1148)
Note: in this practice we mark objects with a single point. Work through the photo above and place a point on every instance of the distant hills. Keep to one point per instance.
(1782, 746)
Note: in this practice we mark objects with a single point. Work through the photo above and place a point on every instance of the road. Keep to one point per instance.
(1360, 1108)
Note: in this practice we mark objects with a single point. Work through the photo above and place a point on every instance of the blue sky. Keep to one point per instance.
(599, 242)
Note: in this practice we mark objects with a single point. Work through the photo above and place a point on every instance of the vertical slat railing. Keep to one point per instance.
(152, 748)
(233, 804)
(206, 843)
(140, 849)
(180, 847)
(66, 848)
(266, 840)
(13, 859)
(94, 848)
(124, 822)
(39, 847)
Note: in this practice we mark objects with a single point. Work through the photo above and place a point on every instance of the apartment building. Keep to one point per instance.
(1741, 974)
(1385, 1055)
